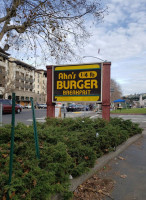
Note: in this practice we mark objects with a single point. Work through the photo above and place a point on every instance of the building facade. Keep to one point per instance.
(22, 79)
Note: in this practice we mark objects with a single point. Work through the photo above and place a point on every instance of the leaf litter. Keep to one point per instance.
(94, 188)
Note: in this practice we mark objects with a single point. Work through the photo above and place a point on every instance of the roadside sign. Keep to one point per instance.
(73, 83)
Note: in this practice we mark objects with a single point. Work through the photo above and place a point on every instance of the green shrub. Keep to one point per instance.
(67, 147)
(128, 125)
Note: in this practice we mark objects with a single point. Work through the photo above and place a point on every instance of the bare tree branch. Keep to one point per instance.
(55, 21)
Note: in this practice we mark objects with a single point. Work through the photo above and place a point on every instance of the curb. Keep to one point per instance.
(100, 162)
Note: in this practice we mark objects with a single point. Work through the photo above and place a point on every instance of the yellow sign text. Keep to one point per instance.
(81, 84)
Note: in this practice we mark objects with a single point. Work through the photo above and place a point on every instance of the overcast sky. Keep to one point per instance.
(121, 39)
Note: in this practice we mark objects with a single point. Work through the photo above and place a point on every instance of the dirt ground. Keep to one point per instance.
(95, 188)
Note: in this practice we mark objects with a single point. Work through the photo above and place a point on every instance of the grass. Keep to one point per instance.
(130, 111)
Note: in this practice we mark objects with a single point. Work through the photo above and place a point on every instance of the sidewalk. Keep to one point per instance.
(122, 178)
(129, 172)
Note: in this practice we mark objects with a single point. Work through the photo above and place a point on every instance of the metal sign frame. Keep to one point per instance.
(80, 68)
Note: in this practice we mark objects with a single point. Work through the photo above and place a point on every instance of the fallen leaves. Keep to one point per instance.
(4, 155)
(86, 157)
(121, 158)
(34, 183)
(4, 198)
(123, 176)
(12, 195)
(94, 188)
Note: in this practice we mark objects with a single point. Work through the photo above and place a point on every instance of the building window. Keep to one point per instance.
(17, 98)
(10, 97)
(38, 92)
(27, 98)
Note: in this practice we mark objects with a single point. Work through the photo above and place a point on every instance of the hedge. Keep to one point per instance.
(68, 147)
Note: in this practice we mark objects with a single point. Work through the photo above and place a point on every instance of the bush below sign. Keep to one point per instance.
(68, 148)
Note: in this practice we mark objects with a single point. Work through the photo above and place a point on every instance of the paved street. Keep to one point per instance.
(26, 116)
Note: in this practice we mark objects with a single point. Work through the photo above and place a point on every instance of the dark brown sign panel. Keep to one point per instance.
(77, 83)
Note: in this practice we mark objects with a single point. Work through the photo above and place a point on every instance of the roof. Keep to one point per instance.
(40, 70)
(119, 100)
(18, 62)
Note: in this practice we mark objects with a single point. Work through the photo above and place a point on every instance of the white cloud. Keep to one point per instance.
(122, 40)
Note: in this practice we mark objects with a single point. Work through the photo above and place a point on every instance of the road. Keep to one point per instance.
(26, 116)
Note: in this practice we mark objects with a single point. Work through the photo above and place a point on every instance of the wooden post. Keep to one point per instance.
(50, 105)
(106, 91)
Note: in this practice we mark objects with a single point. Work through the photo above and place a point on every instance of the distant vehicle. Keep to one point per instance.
(21, 106)
(80, 107)
(41, 106)
(27, 106)
(7, 106)
(86, 108)
(71, 108)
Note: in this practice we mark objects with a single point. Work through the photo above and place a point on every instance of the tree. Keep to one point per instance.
(116, 91)
(59, 24)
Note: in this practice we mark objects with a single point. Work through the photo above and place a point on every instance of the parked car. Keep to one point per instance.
(86, 108)
(7, 106)
(80, 107)
(27, 106)
(21, 106)
(40, 106)
(71, 108)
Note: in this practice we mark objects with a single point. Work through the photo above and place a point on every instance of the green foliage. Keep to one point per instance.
(126, 125)
(67, 147)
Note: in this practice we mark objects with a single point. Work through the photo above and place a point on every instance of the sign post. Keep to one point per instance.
(50, 104)
(106, 91)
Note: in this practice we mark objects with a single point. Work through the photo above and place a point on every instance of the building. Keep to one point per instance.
(22, 79)
(40, 86)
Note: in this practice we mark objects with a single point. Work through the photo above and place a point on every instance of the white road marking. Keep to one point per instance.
(94, 116)
(42, 119)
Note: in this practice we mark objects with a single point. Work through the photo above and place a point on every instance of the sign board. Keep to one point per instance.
(77, 83)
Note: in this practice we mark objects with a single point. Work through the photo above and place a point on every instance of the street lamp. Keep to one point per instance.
(95, 57)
